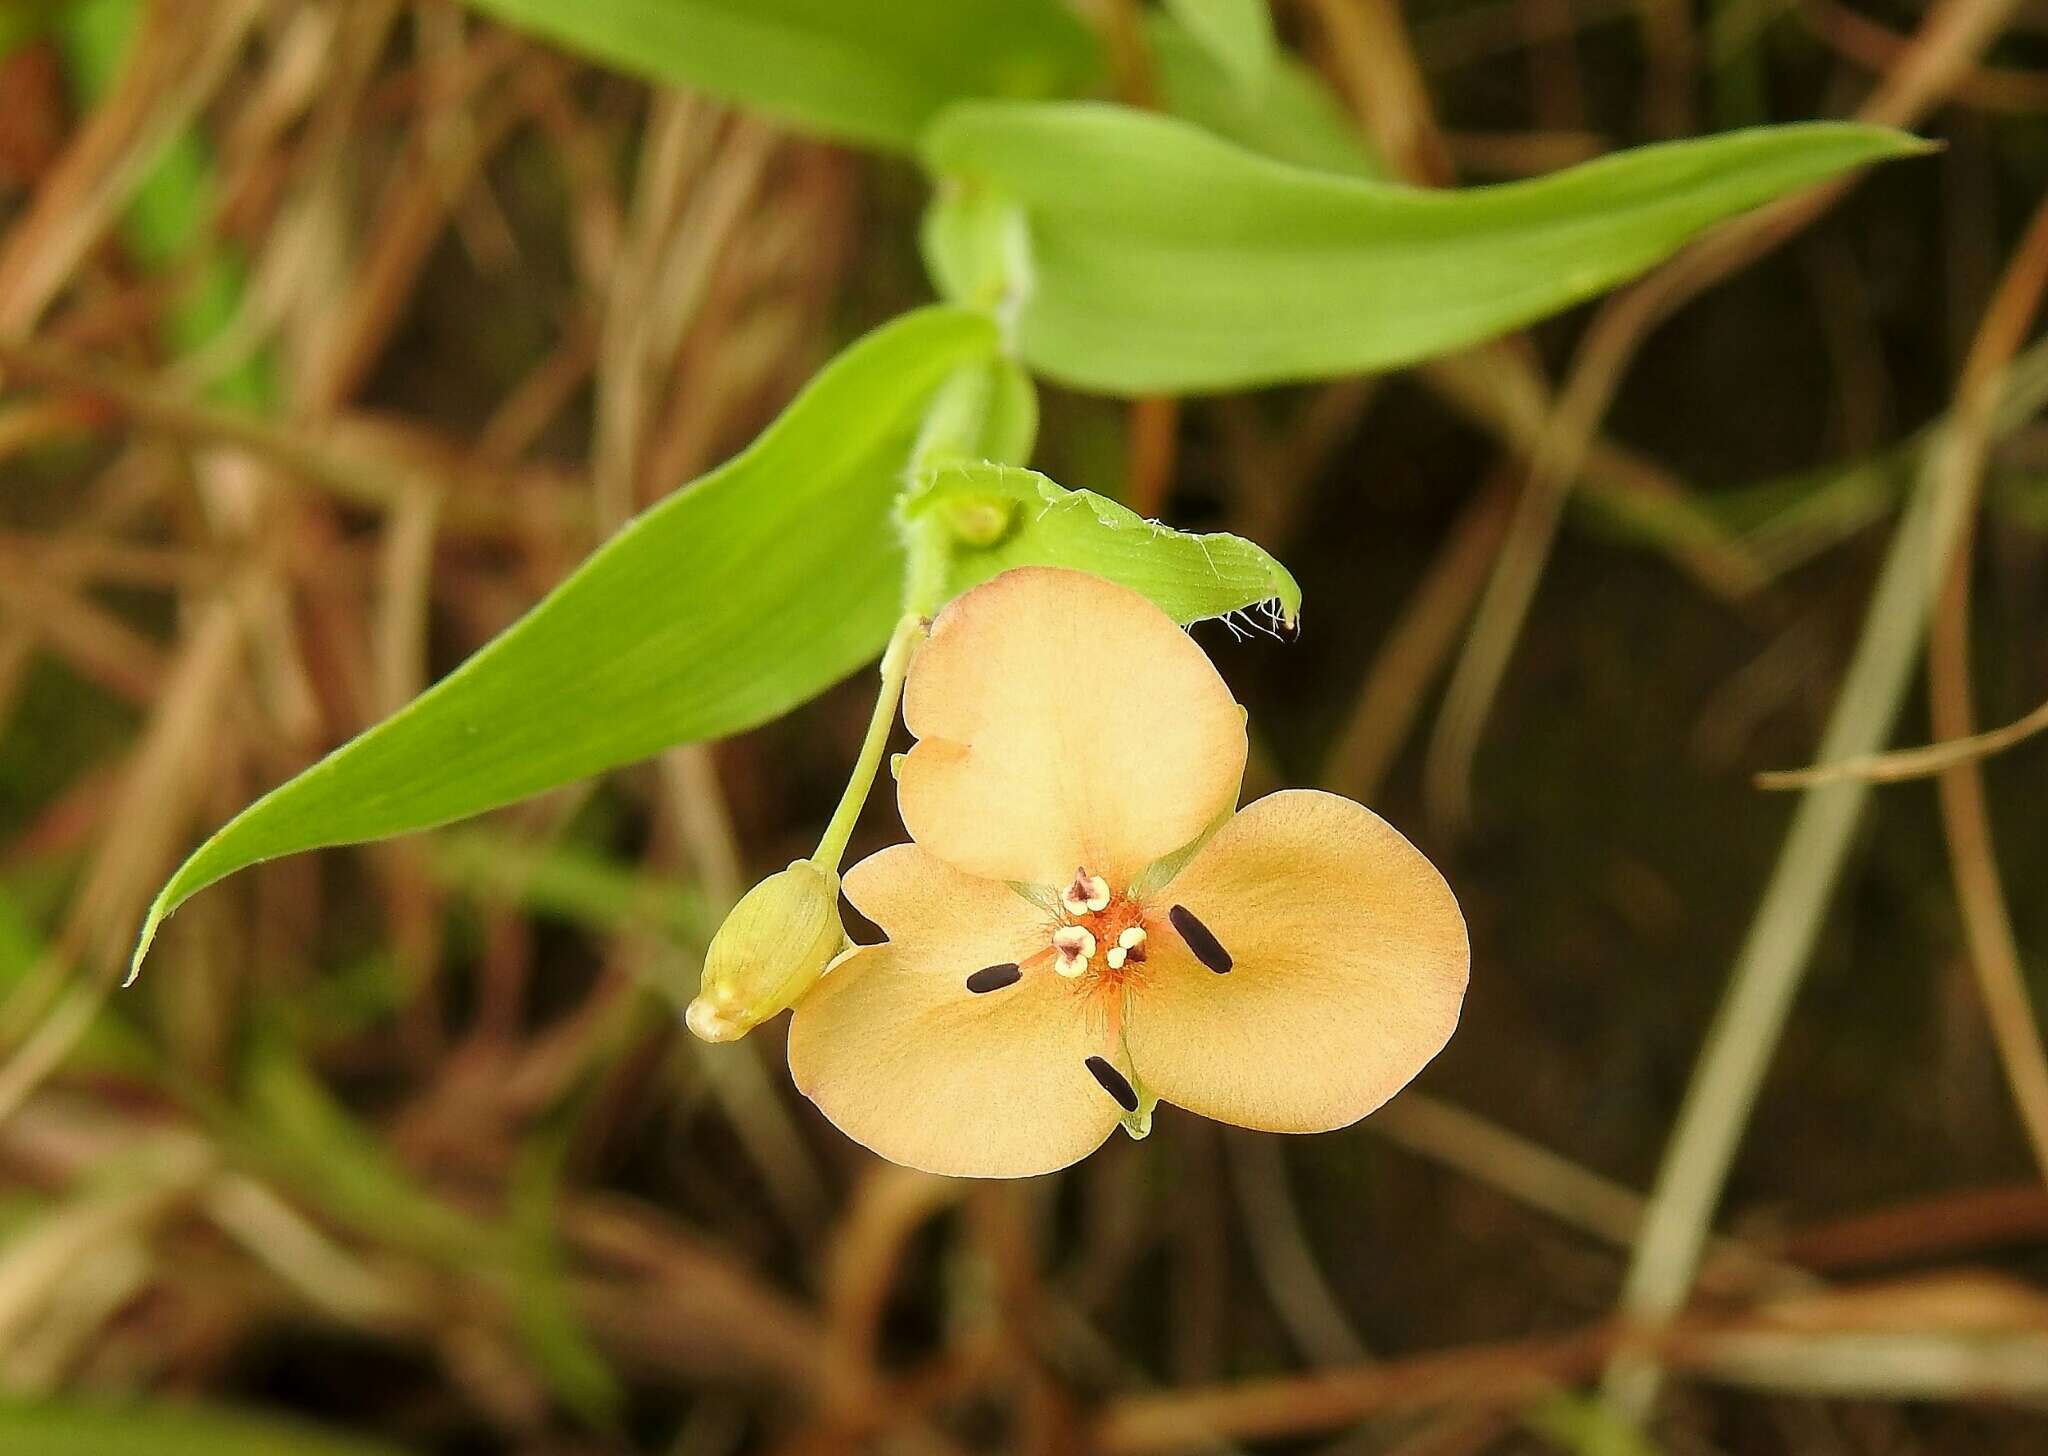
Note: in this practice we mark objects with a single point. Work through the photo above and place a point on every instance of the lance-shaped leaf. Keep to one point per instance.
(988, 518)
(728, 603)
(870, 73)
(1162, 259)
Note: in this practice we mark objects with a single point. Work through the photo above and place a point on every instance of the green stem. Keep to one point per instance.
(953, 425)
(930, 553)
(895, 665)
(955, 420)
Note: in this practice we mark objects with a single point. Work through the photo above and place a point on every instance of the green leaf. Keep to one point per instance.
(864, 73)
(156, 1428)
(729, 603)
(1291, 118)
(990, 518)
(1237, 34)
(1162, 259)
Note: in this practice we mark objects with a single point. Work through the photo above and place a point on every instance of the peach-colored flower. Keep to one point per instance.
(1050, 968)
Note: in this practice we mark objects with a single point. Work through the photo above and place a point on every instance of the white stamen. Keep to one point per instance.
(1088, 894)
(1114, 957)
(1132, 938)
(1076, 945)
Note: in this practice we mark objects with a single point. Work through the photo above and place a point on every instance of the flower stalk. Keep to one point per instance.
(785, 931)
(896, 657)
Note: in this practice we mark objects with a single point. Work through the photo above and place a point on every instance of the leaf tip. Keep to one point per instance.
(157, 912)
(1899, 143)
(1888, 143)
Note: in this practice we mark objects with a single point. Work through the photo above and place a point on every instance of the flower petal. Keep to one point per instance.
(906, 1060)
(1347, 962)
(1064, 721)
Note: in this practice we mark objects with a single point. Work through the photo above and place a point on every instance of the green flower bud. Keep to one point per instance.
(770, 951)
(978, 520)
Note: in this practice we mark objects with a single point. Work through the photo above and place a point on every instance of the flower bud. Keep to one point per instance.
(978, 520)
(771, 949)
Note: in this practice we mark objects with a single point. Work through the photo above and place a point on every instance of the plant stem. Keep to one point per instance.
(954, 424)
(953, 428)
(903, 643)
(954, 420)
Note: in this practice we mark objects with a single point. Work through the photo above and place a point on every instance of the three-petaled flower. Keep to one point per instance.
(1056, 960)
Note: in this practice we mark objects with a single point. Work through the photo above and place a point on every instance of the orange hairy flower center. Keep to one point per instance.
(1109, 924)
(1096, 939)
(1115, 961)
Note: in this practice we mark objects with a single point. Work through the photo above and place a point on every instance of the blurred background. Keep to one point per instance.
(332, 334)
